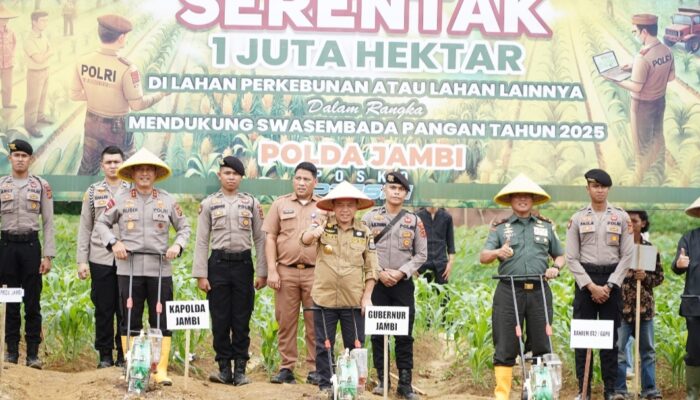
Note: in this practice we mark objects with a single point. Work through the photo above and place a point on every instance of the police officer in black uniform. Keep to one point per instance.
(23, 198)
(402, 247)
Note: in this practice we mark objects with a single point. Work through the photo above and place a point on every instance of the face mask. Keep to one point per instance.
(638, 38)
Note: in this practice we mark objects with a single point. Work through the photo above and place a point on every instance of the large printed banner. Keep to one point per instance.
(460, 95)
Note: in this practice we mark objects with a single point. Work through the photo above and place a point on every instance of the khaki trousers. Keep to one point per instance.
(37, 85)
(6, 78)
(295, 290)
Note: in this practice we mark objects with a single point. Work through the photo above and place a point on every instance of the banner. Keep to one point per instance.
(460, 95)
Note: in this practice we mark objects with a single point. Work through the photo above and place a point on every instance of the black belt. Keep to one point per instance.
(228, 256)
(107, 120)
(599, 269)
(301, 266)
(19, 237)
(526, 285)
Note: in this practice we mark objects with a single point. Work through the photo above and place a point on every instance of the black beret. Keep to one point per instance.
(598, 176)
(397, 177)
(233, 163)
(20, 145)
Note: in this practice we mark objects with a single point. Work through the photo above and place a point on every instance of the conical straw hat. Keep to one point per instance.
(5, 13)
(694, 209)
(345, 190)
(522, 184)
(143, 157)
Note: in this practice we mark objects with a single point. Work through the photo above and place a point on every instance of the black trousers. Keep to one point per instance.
(145, 290)
(532, 320)
(104, 293)
(692, 346)
(400, 294)
(433, 271)
(19, 263)
(586, 308)
(352, 326)
(231, 300)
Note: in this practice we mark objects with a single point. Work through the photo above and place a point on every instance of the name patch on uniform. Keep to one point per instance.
(540, 231)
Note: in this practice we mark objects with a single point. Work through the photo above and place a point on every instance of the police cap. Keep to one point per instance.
(233, 163)
(397, 177)
(645, 19)
(20, 145)
(598, 176)
(115, 23)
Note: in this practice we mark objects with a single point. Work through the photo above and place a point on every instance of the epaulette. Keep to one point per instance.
(124, 61)
(499, 222)
(543, 218)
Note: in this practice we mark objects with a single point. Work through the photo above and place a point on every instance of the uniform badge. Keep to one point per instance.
(406, 242)
(47, 188)
(421, 229)
(406, 234)
(135, 77)
(328, 249)
(377, 217)
(407, 220)
(34, 206)
(372, 246)
(110, 204)
(130, 225)
(160, 225)
(218, 213)
(613, 217)
(178, 210)
(133, 193)
(246, 221)
(160, 204)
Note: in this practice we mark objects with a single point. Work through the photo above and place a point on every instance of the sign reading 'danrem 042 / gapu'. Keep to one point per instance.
(458, 95)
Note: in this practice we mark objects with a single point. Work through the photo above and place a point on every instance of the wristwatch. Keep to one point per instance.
(611, 285)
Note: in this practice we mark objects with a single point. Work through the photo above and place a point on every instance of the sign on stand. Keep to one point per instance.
(591, 334)
(187, 315)
(382, 320)
(7, 295)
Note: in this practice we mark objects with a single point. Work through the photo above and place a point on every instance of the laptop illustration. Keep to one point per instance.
(608, 67)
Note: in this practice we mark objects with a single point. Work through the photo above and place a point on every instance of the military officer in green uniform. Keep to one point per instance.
(523, 244)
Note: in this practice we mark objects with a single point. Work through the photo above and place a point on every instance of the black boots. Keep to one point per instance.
(105, 359)
(379, 389)
(239, 377)
(33, 360)
(404, 389)
(12, 353)
(224, 375)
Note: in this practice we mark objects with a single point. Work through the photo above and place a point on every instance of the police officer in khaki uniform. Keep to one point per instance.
(523, 243)
(144, 216)
(112, 87)
(599, 247)
(98, 263)
(652, 69)
(231, 221)
(345, 274)
(38, 51)
(23, 198)
(402, 247)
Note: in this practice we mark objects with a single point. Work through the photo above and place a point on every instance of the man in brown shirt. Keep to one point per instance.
(290, 268)
(652, 69)
(111, 85)
(346, 271)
